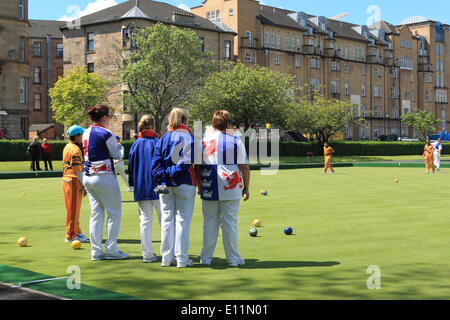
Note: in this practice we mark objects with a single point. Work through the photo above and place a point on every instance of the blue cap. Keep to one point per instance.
(75, 130)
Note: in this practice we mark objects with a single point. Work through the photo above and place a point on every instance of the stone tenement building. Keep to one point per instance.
(46, 52)
(94, 44)
(14, 68)
(385, 70)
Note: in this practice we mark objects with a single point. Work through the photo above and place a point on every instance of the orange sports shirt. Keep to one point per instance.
(72, 160)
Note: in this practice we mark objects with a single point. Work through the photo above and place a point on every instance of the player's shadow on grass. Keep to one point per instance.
(219, 263)
(131, 241)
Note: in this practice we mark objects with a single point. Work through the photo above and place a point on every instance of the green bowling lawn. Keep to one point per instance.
(342, 224)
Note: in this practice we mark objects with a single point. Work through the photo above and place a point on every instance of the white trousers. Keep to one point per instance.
(104, 194)
(176, 214)
(120, 170)
(216, 213)
(437, 160)
(146, 217)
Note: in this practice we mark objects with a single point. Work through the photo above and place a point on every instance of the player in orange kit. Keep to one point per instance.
(327, 154)
(72, 184)
(428, 151)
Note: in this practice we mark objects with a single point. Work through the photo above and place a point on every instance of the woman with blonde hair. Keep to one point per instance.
(173, 169)
(141, 178)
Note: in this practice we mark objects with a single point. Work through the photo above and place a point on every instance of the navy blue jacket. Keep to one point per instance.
(180, 144)
(140, 168)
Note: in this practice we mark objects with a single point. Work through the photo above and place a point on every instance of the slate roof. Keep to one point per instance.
(150, 10)
(42, 28)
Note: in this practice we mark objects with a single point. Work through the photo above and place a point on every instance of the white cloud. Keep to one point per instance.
(74, 12)
(184, 7)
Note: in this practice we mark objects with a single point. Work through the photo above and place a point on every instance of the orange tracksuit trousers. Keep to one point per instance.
(429, 164)
(73, 194)
(328, 164)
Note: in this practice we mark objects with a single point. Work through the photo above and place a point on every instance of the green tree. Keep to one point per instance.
(251, 95)
(422, 121)
(163, 68)
(74, 93)
(316, 114)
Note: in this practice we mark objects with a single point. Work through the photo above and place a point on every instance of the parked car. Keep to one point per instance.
(407, 139)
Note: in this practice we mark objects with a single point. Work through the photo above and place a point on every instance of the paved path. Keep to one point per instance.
(8, 293)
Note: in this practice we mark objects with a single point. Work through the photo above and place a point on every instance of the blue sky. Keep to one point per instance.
(393, 11)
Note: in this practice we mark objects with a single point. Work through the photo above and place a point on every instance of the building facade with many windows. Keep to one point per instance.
(384, 70)
(14, 69)
(95, 42)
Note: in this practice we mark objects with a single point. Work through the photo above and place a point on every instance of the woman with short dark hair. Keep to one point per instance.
(100, 148)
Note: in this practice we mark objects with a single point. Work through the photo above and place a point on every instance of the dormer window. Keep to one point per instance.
(303, 22)
(323, 26)
(365, 35)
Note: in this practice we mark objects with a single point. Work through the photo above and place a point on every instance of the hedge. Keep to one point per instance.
(15, 150)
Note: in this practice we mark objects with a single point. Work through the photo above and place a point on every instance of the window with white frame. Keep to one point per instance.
(288, 42)
(272, 41)
(334, 65)
(444, 119)
(363, 69)
(441, 96)
(394, 93)
(428, 96)
(377, 72)
(314, 63)
(315, 83)
(377, 92)
(335, 86)
(298, 60)
(248, 57)
(37, 49)
(23, 90)
(279, 41)
(227, 49)
(413, 77)
(413, 95)
(428, 78)
(347, 88)
(377, 111)
(249, 37)
(266, 39)
(299, 44)
(37, 74)
(217, 15)
(277, 60)
(363, 90)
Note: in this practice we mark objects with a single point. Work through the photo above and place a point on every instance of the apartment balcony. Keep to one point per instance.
(425, 67)
(388, 61)
(372, 59)
(249, 43)
(330, 52)
(311, 49)
(423, 53)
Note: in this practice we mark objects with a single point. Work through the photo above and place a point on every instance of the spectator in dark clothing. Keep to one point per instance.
(46, 151)
(34, 150)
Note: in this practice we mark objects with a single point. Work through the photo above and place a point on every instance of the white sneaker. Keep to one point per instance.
(148, 259)
(69, 240)
(238, 263)
(172, 263)
(206, 262)
(188, 263)
(119, 255)
(82, 238)
(99, 257)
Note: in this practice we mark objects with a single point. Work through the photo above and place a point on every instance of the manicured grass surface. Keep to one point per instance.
(9, 166)
(343, 224)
